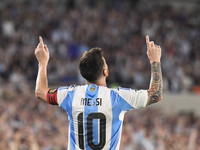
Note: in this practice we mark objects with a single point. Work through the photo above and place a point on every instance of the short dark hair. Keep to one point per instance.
(91, 64)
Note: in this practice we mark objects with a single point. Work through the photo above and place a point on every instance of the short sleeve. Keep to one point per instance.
(62, 93)
(135, 98)
(56, 96)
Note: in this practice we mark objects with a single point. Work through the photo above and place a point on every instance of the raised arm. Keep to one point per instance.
(42, 55)
(156, 83)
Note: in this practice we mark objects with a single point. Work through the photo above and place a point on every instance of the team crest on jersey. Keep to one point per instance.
(92, 88)
(52, 90)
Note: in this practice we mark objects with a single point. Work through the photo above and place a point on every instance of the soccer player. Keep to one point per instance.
(95, 111)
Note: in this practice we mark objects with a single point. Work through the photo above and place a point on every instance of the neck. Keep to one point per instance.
(99, 82)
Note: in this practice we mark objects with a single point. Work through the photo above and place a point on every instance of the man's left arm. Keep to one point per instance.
(156, 83)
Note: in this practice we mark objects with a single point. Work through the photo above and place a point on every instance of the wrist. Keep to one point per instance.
(42, 64)
(154, 61)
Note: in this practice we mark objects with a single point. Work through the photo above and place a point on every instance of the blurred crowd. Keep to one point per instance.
(70, 27)
(30, 124)
(153, 129)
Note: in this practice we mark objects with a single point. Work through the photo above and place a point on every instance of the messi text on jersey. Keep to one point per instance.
(91, 101)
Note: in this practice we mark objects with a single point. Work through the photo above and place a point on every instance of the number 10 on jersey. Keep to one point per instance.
(89, 126)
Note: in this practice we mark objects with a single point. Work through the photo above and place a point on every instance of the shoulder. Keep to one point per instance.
(120, 89)
(128, 92)
(71, 87)
(64, 91)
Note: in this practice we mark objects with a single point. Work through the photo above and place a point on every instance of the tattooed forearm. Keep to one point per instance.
(156, 85)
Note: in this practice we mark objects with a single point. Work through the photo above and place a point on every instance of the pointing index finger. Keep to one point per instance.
(147, 40)
(41, 40)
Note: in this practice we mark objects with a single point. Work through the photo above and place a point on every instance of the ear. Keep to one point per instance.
(105, 72)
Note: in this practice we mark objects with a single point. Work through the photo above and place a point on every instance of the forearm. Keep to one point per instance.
(41, 82)
(156, 84)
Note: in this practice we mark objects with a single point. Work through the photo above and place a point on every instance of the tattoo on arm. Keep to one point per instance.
(156, 85)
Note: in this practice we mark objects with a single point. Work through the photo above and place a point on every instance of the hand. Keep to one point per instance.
(42, 52)
(153, 51)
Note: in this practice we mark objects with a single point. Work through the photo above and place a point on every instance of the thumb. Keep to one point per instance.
(46, 48)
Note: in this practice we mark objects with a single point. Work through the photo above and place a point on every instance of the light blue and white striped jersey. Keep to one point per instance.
(96, 114)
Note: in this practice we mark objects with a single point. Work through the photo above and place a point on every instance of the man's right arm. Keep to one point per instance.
(156, 83)
(42, 55)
